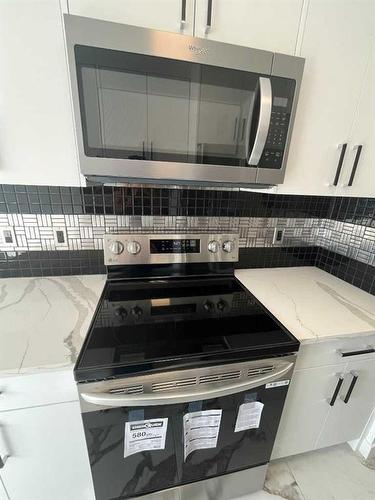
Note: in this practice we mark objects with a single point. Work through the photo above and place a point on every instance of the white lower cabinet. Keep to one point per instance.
(47, 454)
(306, 409)
(346, 421)
(309, 421)
(3, 493)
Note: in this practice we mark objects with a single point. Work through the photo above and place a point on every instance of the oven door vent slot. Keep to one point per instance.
(219, 377)
(252, 372)
(133, 389)
(173, 384)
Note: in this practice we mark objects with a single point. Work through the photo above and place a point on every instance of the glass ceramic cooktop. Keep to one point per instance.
(140, 324)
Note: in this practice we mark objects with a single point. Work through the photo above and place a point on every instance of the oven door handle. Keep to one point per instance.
(182, 396)
(265, 109)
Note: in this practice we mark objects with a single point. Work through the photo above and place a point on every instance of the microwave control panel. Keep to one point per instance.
(283, 91)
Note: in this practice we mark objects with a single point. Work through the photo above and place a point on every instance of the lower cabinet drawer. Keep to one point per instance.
(331, 352)
(23, 391)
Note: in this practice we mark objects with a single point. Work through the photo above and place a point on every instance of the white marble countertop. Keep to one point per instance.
(43, 321)
(312, 304)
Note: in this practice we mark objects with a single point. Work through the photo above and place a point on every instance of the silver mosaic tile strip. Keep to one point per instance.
(352, 240)
(29, 232)
(85, 232)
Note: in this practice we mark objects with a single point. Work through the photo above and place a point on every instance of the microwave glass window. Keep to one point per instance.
(135, 106)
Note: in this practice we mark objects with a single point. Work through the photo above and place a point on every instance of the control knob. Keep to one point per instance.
(137, 311)
(213, 246)
(116, 247)
(133, 247)
(121, 312)
(228, 246)
(209, 306)
(221, 305)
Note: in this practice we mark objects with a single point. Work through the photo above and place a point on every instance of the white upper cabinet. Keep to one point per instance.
(358, 176)
(262, 24)
(37, 142)
(167, 15)
(336, 44)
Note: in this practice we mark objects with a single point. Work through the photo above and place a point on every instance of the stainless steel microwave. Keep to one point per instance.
(153, 106)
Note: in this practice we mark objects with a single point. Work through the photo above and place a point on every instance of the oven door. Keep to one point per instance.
(149, 106)
(209, 422)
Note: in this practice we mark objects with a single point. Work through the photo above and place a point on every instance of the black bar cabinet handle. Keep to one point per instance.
(209, 17)
(183, 14)
(341, 161)
(351, 387)
(358, 147)
(337, 390)
(345, 354)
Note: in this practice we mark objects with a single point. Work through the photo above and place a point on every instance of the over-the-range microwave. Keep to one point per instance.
(153, 106)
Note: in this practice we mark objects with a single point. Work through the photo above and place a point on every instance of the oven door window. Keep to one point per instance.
(135, 106)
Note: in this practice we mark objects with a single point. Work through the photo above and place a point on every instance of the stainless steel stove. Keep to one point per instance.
(183, 374)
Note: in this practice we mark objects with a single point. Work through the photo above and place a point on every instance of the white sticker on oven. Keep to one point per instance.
(249, 415)
(277, 384)
(145, 435)
(201, 429)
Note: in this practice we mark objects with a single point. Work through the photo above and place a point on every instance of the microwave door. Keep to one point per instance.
(258, 122)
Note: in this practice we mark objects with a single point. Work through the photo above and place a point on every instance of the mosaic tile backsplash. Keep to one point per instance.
(58, 230)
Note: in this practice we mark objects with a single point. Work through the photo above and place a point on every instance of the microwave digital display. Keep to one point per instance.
(281, 102)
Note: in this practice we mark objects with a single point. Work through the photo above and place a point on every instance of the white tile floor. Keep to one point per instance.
(334, 473)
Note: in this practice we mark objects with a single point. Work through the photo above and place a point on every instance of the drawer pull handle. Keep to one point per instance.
(351, 387)
(3, 460)
(358, 147)
(4, 445)
(209, 17)
(369, 349)
(337, 389)
(341, 161)
(183, 15)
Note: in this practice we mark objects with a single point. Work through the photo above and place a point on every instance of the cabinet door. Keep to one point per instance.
(363, 180)
(346, 421)
(47, 454)
(336, 44)
(262, 24)
(305, 411)
(3, 493)
(158, 14)
(37, 140)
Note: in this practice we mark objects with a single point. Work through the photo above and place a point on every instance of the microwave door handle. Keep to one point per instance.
(265, 108)
(184, 395)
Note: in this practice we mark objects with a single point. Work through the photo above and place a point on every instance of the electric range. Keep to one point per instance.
(183, 374)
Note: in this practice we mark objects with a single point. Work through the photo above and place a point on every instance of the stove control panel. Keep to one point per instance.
(139, 248)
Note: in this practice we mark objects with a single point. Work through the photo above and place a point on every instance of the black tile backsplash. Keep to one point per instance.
(51, 263)
(158, 201)
(164, 201)
(277, 257)
(350, 270)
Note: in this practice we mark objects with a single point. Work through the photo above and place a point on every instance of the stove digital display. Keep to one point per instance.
(174, 246)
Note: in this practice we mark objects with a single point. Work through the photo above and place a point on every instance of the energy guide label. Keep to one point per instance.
(145, 435)
(201, 430)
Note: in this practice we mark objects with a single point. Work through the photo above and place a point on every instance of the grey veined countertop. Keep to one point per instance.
(312, 304)
(43, 321)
